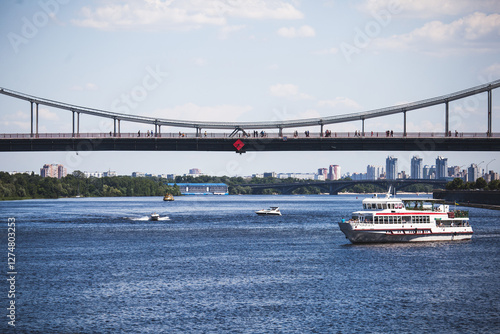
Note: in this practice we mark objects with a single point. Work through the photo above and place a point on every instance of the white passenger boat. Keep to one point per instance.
(387, 219)
(272, 211)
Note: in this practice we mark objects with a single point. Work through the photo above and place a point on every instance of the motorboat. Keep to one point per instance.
(272, 211)
(168, 197)
(154, 217)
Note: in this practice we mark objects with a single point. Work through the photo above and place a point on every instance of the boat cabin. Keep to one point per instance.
(382, 203)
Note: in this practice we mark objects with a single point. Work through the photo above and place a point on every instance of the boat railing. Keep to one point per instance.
(452, 223)
(458, 214)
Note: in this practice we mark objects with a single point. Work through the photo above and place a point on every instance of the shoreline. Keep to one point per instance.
(476, 205)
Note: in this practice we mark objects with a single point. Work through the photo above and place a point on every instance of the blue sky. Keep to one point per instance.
(227, 60)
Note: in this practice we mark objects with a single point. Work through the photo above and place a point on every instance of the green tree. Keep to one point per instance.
(481, 183)
(457, 183)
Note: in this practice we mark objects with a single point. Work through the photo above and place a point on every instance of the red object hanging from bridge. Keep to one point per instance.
(238, 144)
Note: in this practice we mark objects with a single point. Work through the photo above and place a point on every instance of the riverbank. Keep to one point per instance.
(486, 199)
(475, 205)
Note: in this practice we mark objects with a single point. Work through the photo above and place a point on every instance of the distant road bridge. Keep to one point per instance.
(334, 187)
(239, 138)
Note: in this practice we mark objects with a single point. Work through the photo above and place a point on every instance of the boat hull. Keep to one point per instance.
(361, 235)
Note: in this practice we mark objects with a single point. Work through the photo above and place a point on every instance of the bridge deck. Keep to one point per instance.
(105, 142)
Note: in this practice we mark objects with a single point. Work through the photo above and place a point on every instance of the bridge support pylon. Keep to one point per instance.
(446, 119)
(489, 113)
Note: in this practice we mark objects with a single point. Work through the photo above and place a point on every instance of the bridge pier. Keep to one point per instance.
(31, 119)
(447, 119)
(36, 118)
(78, 124)
(489, 113)
(73, 125)
(321, 130)
(404, 123)
(362, 127)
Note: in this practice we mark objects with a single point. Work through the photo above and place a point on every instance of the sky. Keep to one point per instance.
(254, 60)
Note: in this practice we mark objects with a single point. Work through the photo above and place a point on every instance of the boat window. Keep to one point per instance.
(374, 206)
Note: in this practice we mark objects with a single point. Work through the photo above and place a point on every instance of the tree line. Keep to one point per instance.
(479, 184)
(24, 186)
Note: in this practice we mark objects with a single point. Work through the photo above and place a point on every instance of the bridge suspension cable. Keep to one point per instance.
(403, 108)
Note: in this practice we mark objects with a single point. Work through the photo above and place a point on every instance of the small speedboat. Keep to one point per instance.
(154, 217)
(272, 211)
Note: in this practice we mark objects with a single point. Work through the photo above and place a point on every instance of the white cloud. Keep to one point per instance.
(492, 71)
(339, 103)
(291, 32)
(180, 14)
(194, 112)
(477, 32)
(430, 8)
(48, 115)
(287, 90)
(15, 122)
(225, 31)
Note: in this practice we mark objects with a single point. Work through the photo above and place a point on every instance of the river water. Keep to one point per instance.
(92, 265)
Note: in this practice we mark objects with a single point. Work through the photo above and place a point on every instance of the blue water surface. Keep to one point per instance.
(89, 265)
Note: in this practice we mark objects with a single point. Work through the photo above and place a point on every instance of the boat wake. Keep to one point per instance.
(146, 218)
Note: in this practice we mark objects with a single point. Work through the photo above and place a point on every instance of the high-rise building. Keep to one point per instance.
(334, 173)
(441, 167)
(53, 170)
(472, 173)
(194, 171)
(269, 174)
(416, 167)
(391, 168)
(429, 172)
(453, 171)
(109, 173)
(324, 172)
(374, 172)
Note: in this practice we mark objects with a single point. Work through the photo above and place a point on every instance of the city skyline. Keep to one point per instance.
(246, 61)
(373, 172)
